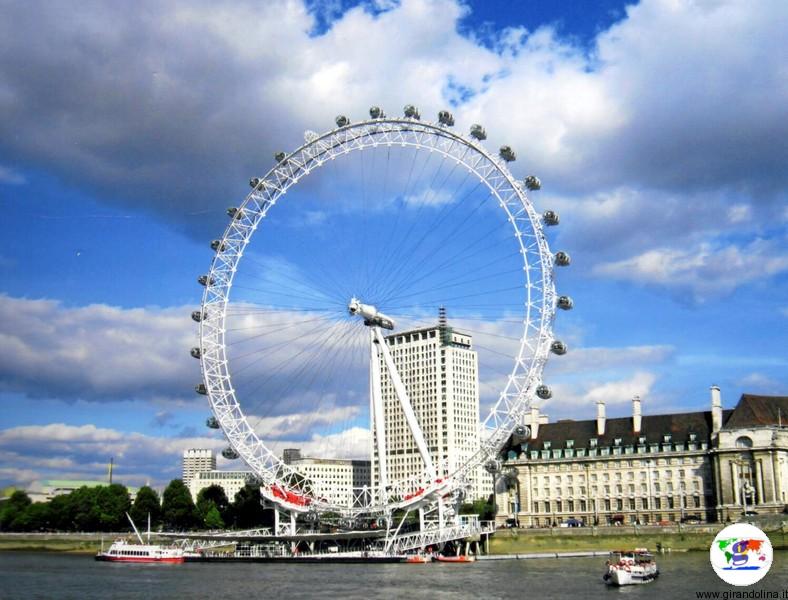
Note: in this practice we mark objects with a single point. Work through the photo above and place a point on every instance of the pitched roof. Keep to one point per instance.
(758, 411)
(653, 427)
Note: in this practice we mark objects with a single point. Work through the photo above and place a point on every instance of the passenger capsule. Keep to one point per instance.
(376, 112)
(236, 213)
(254, 182)
(197, 316)
(195, 352)
(544, 392)
(230, 454)
(212, 423)
(507, 153)
(565, 302)
(478, 132)
(204, 280)
(446, 118)
(342, 121)
(218, 246)
(201, 389)
(279, 156)
(558, 347)
(550, 217)
(412, 112)
(492, 466)
(532, 183)
(522, 431)
(562, 259)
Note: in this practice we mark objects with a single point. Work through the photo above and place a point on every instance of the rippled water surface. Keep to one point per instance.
(45, 575)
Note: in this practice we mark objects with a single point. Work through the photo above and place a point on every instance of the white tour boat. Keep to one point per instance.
(628, 567)
(123, 551)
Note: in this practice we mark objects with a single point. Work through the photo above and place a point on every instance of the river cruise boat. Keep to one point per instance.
(124, 551)
(629, 567)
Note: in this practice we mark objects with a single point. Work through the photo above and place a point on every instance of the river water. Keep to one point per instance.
(28, 575)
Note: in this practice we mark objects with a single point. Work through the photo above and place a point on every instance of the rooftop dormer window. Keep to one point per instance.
(666, 438)
(617, 442)
(570, 443)
(592, 442)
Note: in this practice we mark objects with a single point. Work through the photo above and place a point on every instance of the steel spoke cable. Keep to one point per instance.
(327, 366)
(264, 349)
(462, 273)
(300, 283)
(402, 281)
(277, 369)
(398, 249)
(426, 292)
(406, 250)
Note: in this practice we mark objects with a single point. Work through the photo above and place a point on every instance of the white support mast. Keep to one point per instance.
(376, 406)
(375, 320)
(404, 400)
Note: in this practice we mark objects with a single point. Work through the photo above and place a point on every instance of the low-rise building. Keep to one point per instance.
(343, 482)
(230, 481)
(649, 468)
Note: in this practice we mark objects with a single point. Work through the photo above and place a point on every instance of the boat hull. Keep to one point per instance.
(140, 559)
(620, 577)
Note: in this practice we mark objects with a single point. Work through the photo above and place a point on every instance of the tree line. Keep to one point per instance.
(104, 508)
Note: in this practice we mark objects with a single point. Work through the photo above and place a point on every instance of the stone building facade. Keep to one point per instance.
(649, 469)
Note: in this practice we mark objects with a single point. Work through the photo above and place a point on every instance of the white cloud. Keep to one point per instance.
(758, 383)
(702, 271)
(11, 177)
(83, 452)
(62, 451)
(95, 352)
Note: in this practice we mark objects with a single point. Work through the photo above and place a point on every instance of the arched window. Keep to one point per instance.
(744, 442)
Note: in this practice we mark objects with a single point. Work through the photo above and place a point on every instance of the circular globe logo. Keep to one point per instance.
(741, 554)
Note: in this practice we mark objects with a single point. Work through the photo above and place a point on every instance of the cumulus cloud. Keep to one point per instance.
(83, 452)
(612, 392)
(95, 352)
(703, 271)
(57, 450)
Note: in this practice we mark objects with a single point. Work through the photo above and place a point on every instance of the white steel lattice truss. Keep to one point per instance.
(281, 483)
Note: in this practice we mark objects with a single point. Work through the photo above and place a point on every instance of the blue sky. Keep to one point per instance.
(658, 131)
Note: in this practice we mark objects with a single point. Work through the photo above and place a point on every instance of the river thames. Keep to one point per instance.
(27, 575)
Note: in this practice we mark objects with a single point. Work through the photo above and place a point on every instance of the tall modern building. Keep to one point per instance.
(440, 371)
(196, 460)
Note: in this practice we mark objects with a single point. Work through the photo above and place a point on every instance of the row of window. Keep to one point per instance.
(609, 504)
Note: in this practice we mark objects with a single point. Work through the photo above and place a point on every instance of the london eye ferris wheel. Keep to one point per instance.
(370, 229)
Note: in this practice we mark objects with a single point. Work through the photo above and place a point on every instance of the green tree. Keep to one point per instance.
(146, 503)
(111, 505)
(247, 511)
(177, 506)
(213, 495)
(13, 508)
(36, 517)
(212, 519)
(481, 507)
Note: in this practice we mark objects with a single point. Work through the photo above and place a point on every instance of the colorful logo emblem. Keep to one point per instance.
(741, 554)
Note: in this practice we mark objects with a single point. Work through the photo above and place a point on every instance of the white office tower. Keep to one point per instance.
(196, 460)
(440, 370)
